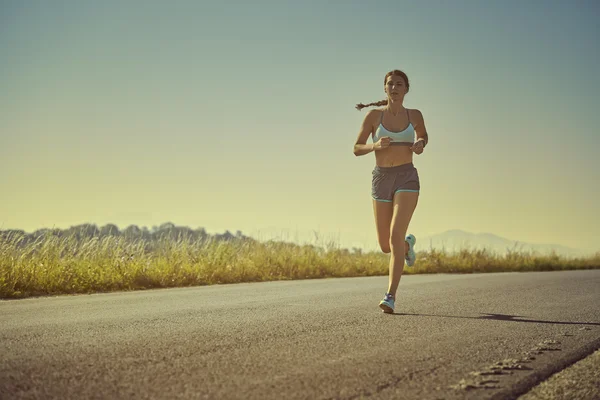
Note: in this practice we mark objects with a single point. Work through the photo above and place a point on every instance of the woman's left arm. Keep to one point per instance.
(421, 131)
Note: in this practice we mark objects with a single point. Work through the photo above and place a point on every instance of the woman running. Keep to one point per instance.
(395, 184)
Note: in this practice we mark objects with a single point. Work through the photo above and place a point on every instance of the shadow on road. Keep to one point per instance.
(504, 317)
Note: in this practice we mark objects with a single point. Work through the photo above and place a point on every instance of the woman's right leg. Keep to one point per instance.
(404, 207)
(383, 208)
(383, 211)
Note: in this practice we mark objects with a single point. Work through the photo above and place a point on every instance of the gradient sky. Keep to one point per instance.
(240, 115)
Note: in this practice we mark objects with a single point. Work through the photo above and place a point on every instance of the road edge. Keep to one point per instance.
(535, 378)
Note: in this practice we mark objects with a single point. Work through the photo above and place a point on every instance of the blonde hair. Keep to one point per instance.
(360, 106)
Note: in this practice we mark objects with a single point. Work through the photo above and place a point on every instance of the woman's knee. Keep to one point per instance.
(397, 241)
(385, 246)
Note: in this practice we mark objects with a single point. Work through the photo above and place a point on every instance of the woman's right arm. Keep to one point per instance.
(361, 147)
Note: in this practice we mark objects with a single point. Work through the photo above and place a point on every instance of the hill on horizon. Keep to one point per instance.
(456, 239)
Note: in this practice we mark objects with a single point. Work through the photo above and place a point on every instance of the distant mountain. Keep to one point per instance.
(456, 239)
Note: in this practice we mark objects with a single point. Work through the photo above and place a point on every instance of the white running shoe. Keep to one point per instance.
(411, 257)
(387, 304)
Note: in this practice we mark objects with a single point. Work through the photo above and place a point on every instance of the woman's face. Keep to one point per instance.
(395, 87)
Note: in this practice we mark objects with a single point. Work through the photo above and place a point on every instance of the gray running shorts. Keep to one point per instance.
(387, 181)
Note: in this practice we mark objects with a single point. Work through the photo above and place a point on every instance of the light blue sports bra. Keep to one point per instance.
(402, 138)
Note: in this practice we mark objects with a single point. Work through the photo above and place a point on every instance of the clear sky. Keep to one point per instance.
(240, 115)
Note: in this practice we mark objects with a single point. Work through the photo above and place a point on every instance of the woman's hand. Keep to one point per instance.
(417, 147)
(382, 143)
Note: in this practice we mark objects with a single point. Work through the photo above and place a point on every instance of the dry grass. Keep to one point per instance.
(52, 265)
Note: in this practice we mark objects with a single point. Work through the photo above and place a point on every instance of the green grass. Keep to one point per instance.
(52, 265)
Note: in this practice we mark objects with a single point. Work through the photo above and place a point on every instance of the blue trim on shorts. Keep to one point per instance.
(406, 190)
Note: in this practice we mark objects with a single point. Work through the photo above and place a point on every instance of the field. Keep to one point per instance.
(52, 265)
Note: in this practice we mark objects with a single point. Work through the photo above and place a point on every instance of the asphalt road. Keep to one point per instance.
(453, 336)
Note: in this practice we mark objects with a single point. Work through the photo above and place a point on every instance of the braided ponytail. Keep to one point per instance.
(360, 106)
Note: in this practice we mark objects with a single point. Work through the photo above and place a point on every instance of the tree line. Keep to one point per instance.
(86, 231)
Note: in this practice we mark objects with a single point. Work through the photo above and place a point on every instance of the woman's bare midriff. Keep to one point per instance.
(393, 156)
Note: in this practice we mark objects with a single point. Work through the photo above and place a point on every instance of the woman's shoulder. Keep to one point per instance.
(374, 114)
(414, 114)
(415, 117)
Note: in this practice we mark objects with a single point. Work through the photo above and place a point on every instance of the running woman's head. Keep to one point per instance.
(395, 86)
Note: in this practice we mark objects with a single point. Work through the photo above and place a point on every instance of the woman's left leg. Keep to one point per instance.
(404, 207)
